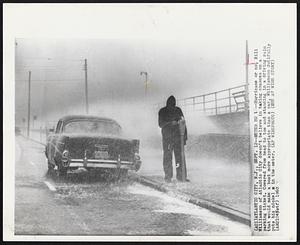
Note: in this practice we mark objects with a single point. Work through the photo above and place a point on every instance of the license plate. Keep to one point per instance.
(101, 154)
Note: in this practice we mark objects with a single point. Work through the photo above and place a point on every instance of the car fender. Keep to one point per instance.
(60, 146)
(46, 151)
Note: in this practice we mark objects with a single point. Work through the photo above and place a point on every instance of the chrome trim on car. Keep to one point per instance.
(97, 165)
(100, 161)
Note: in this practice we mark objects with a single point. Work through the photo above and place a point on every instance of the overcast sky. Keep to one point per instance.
(186, 49)
(182, 68)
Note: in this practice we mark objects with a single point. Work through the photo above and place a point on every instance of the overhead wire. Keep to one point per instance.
(68, 81)
(49, 58)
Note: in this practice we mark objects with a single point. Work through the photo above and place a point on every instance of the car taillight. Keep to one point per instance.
(137, 161)
(65, 158)
(65, 154)
(137, 157)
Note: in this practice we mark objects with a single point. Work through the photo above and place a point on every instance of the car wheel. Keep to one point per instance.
(117, 174)
(50, 166)
(50, 171)
(62, 172)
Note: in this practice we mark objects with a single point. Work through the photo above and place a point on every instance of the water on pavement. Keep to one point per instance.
(93, 204)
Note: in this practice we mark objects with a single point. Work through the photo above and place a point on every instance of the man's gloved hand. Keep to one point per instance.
(174, 123)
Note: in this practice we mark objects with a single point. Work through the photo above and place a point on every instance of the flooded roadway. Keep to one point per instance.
(86, 203)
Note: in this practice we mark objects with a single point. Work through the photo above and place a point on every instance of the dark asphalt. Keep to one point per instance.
(90, 203)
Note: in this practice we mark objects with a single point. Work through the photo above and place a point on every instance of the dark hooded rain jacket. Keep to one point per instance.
(168, 114)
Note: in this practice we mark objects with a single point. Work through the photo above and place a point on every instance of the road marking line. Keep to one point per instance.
(50, 186)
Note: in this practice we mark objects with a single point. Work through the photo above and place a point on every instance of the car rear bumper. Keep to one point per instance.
(94, 163)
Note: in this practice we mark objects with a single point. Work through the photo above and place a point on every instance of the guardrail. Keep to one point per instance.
(229, 100)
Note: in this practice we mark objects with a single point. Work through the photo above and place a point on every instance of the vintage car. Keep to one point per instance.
(91, 142)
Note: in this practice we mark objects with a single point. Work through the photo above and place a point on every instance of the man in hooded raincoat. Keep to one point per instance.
(168, 118)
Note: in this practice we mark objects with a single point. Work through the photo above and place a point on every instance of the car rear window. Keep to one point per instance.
(92, 127)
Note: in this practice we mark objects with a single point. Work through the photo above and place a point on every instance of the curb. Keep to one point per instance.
(214, 207)
(36, 141)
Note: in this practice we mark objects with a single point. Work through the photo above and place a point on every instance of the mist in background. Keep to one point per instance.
(115, 86)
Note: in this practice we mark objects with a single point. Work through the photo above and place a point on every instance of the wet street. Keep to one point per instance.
(88, 203)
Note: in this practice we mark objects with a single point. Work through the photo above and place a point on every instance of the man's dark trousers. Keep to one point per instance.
(170, 145)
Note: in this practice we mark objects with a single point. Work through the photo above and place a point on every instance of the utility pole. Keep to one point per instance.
(28, 115)
(45, 100)
(86, 88)
(146, 80)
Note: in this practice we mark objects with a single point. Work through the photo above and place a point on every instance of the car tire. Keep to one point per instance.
(116, 174)
(50, 166)
(62, 172)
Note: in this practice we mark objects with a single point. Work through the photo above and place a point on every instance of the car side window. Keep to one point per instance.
(58, 127)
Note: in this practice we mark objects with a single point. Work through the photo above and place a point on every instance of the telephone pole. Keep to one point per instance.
(86, 88)
(146, 80)
(28, 115)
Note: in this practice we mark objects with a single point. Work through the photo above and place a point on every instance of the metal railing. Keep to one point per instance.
(229, 100)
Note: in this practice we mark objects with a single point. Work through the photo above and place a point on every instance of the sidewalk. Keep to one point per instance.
(36, 136)
(217, 180)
